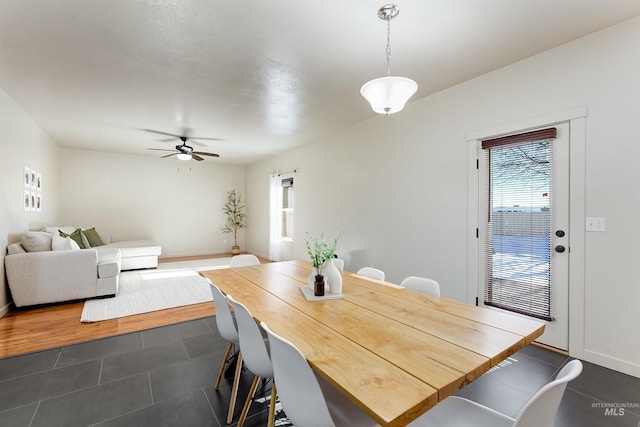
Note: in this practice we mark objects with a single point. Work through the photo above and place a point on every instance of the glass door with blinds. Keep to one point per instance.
(524, 219)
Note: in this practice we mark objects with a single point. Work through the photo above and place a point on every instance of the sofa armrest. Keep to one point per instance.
(52, 276)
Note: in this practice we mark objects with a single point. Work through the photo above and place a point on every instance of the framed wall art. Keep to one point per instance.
(32, 181)
(27, 176)
(27, 200)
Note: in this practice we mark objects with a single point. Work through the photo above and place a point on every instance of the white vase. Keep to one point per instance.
(332, 277)
(312, 277)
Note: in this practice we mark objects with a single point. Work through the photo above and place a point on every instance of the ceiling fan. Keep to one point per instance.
(184, 151)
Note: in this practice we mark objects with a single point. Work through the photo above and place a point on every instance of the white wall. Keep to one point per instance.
(137, 197)
(22, 143)
(397, 185)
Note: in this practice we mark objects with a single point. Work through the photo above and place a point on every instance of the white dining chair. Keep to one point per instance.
(228, 330)
(539, 411)
(256, 357)
(243, 260)
(308, 400)
(422, 284)
(370, 272)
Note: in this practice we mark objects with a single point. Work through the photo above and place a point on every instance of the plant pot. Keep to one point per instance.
(235, 250)
(312, 277)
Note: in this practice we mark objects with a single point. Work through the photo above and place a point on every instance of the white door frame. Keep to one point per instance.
(576, 117)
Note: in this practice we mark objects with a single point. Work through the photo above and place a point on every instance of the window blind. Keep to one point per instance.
(517, 250)
(286, 226)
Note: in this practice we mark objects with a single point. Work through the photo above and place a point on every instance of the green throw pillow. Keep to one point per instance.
(76, 236)
(93, 237)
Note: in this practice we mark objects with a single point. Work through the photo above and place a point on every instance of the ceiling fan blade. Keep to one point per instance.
(202, 153)
(207, 139)
(195, 156)
(159, 149)
(167, 140)
(168, 155)
(161, 133)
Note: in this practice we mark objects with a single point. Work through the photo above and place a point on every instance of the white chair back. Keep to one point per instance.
(252, 344)
(243, 260)
(224, 319)
(300, 394)
(422, 284)
(228, 330)
(371, 273)
(540, 410)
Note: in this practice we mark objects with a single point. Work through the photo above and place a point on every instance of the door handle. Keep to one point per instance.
(559, 249)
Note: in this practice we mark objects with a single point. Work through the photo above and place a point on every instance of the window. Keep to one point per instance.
(287, 209)
(518, 238)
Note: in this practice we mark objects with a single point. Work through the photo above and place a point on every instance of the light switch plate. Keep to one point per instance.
(596, 224)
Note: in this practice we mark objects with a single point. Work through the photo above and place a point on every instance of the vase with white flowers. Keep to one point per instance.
(319, 251)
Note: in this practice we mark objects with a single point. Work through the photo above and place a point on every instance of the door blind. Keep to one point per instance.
(517, 249)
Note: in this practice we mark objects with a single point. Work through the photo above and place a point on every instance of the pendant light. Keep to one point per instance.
(389, 94)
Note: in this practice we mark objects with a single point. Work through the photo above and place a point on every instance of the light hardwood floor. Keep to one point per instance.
(28, 330)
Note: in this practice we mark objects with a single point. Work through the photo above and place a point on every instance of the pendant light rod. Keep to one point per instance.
(387, 13)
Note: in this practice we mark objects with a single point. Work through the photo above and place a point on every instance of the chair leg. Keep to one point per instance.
(247, 403)
(272, 405)
(225, 358)
(234, 389)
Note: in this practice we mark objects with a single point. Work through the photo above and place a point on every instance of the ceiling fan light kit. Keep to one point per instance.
(389, 94)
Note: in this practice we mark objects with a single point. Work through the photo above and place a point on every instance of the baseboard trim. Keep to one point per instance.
(548, 347)
(614, 363)
(4, 310)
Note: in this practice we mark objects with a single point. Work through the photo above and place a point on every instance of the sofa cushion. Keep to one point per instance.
(136, 248)
(93, 237)
(59, 243)
(36, 241)
(15, 248)
(77, 237)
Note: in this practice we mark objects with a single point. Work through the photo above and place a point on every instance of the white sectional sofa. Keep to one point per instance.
(47, 268)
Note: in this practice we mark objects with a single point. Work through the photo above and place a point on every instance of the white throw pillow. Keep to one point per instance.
(36, 241)
(74, 245)
(64, 244)
(60, 243)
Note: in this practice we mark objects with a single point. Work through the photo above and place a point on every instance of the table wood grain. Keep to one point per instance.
(393, 351)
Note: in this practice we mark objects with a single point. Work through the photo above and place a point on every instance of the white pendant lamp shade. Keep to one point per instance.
(388, 95)
(183, 156)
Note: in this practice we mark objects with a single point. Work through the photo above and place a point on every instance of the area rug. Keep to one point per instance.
(143, 291)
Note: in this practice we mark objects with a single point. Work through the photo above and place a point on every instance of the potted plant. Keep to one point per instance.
(319, 251)
(234, 210)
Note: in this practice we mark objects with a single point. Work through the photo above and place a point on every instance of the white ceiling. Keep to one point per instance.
(264, 75)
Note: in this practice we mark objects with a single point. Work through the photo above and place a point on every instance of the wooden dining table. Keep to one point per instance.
(394, 352)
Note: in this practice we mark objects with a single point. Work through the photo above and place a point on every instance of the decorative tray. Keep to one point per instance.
(307, 291)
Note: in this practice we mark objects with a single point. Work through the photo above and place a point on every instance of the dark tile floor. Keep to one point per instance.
(164, 377)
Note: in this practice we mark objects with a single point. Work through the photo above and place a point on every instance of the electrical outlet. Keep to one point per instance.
(596, 224)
